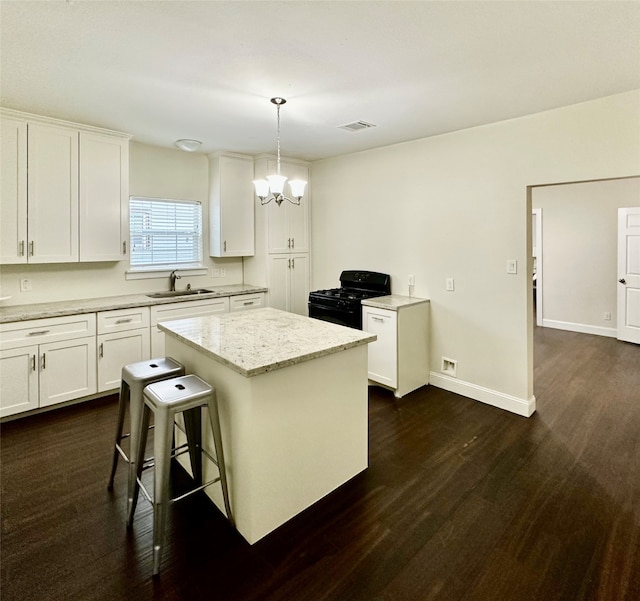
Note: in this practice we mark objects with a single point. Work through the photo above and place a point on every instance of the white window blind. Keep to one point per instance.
(165, 233)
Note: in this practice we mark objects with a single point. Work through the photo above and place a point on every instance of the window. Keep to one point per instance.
(165, 233)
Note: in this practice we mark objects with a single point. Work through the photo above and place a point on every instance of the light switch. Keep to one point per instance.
(450, 284)
(512, 266)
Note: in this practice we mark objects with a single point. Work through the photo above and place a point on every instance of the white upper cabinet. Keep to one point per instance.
(231, 211)
(64, 191)
(104, 196)
(288, 224)
(13, 191)
(52, 192)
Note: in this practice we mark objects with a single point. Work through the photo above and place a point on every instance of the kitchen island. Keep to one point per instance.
(292, 396)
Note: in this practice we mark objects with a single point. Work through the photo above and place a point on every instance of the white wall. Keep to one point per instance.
(155, 172)
(457, 206)
(579, 243)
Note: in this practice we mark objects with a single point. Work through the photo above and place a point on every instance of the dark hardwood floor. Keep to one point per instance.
(461, 501)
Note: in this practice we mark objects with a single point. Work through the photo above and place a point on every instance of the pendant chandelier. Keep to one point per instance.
(272, 188)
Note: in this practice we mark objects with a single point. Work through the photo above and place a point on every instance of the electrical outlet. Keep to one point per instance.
(450, 284)
(223, 273)
(412, 280)
(607, 316)
(215, 273)
(25, 285)
(512, 266)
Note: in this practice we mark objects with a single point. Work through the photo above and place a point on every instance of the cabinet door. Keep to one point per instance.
(118, 349)
(231, 210)
(18, 380)
(298, 215)
(279, 281)
(299, 288)
(104, 176)
(67, 370)
(53, 194)
(13, 191)
(383, 353)
(288, 224)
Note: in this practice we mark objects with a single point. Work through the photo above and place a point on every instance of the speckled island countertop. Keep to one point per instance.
(393, 302)
(109, 303)
(262, 340)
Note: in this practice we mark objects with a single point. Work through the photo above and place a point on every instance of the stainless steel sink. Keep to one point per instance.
(174, 293)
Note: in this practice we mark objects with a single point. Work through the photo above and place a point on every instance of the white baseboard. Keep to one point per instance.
(507, 402)
(582, 328)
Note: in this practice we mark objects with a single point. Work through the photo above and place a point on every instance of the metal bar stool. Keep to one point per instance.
(187, 395)
(135, 377)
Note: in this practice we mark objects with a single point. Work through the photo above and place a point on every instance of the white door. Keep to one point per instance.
(13, 191)
(67, 370)
(279, 281)
(103, 197)
(629, 274)
(53, 194)
(299, 289)
(18, 380)
(118, 349)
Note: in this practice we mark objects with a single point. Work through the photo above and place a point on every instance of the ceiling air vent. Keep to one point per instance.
(356, 126)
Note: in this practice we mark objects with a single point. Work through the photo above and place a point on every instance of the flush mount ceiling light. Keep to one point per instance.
(274, 184)
(188, 145)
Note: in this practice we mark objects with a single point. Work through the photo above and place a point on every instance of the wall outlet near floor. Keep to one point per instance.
(607, 316)
(25, 285)
(449, 366)
(450, 284)
(512, 266)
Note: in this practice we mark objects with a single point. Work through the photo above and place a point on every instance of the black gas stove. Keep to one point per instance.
(342, 305)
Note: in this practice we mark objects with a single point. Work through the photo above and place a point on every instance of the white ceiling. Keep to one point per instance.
(163, 70)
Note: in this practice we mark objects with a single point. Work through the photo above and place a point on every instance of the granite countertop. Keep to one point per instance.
(109, 303)
(393, 302)
(262, 340)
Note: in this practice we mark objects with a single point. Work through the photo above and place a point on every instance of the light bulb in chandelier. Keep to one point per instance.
(272, 188)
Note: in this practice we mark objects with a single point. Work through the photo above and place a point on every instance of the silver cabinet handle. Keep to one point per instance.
(124, 248)
(248, 303)
(44, 361)
(293, 263)
(289, 263)
(38, 333)
(376, 318)
(288, 242)
(101, 353)
(33, 363)
(225, 246)
(293, 242)
(21, 248)
(31, 247)
(126, 320)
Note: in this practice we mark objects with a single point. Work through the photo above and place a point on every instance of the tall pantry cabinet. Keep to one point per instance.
(64, 191)
(282, 261)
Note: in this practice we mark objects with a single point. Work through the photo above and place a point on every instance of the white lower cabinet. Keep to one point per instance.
(123, 338)
(289, 282)
(383, 353)
(18, 380)
(160, 313)
(46, 361)
(399, 358)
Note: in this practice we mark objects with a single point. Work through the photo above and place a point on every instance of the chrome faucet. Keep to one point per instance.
(172, 281)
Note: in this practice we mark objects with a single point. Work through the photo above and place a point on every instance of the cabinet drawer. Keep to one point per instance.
(53, 329)
(246, 301)
(188, 309)
(123, 319)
